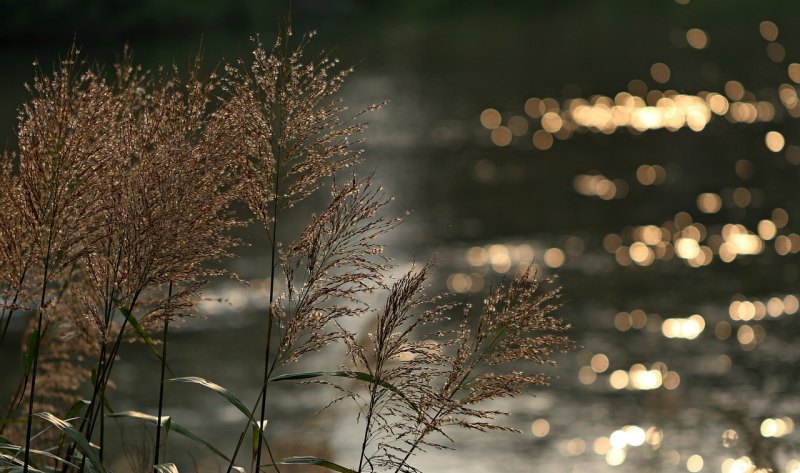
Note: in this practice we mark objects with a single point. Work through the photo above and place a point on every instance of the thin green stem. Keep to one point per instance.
(32, 395)
(161, 386)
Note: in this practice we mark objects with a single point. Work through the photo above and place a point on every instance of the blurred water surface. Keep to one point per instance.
(647, 154)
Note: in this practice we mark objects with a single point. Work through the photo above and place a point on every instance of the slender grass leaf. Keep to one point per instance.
(76, 408)
(33, 341)
(360, 375)
(76, 437)
(15, 465)
(140, 330)
(172, 426)
(257, 433)
(314, 461)
(218, 389)
(166, 468)
(17, 448)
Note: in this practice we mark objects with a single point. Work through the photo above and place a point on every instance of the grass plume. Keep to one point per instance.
(117, 208)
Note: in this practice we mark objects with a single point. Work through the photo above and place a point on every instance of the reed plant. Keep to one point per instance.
(117, 209)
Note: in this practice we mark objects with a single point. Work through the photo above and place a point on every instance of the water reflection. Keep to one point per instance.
(669, 212)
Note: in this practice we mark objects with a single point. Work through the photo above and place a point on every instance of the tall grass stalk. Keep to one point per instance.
(161, 384)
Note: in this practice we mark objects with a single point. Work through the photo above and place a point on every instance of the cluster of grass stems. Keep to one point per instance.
(118, 205)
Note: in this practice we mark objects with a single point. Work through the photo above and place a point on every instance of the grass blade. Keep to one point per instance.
(9, 464)
(33, 340)
(17, 448)
(141, 331)
(170, 425)
(166, 468)
(76, 437)
(308, 460)
(218, 389)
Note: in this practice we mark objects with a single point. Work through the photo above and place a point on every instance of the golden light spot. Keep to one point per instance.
(745, 335)
(618, 379)
(641, 254)
(688, 328)
(618, 439)
(622, 321)
(734, 90)
(697, 38)
(599, 363)
(767, 229)
(774, 141)
(554, 257)
(552, 122)
(606, 189)
(694, 463)
(638, 318)
(791, 304)
(717, 103)
(783, 245)
(687, 248)
(768, 30)
(622, 256)
(637, 87)
(459, 282)
(615, 457)
(574, 446)
(723, 363)
(709, 203)
(654, 436)
(501, 136)
(490, 118)
(674, 457)
(742, 197)
(587, 375)
(500, 258)
(741, 465)
(646, 175)
(611, 242)
(635, 435)
(660, 72)
(601, 445)
(794, 72)
(540, 428)
(788, 95)
(722, 330)
(534, 107)
(542, 140)
(765, 111)
(774, 306)
(776, 52)
(672, 380)
(523, 253)
(769, 428)
(644, 379)
(551, 105)
(780, 217)
(477, 256)
(518, 125)
(729, 438)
